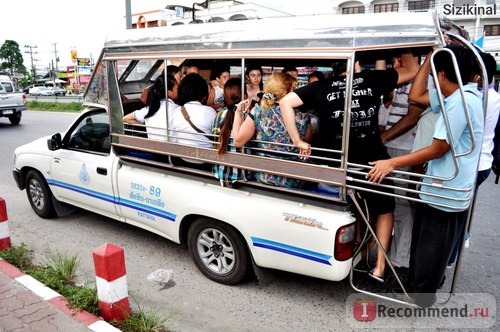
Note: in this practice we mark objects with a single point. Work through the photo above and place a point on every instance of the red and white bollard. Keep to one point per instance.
(111, 282)
(4, 226)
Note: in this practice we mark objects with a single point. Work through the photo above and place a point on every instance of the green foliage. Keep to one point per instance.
(46, 276)
(19, 256)
(143, 321)
(63, 265)
(58, 274)
(12, 56)
(25, 80)
(82, 297)
(54, 107)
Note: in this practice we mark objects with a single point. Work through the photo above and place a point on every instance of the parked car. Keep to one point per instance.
(41, 91)
(27, 89)
(58, 91)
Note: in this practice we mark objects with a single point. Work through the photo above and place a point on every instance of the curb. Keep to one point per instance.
(93, 322)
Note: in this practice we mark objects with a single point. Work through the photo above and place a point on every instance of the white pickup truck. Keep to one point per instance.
(225, 229)
(12, 103)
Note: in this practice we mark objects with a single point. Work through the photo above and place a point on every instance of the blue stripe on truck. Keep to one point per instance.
(291, 250)
(114, 200)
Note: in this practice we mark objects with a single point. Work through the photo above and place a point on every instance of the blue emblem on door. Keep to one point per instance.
(84, 175)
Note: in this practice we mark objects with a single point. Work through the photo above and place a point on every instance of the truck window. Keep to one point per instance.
(8, 87)
(91, 134)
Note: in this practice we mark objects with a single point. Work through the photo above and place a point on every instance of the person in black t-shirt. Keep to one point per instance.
(328, 98)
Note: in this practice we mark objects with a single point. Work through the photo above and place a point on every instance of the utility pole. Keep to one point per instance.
(128, 14)
(31, 52)
(55, 66)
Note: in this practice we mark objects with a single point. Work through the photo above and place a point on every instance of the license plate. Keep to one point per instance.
(8, 112)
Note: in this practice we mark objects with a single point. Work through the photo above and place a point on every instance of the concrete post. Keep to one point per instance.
(111, 281)
(4, 226)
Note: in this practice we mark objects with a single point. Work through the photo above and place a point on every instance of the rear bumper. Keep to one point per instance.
(4, 112)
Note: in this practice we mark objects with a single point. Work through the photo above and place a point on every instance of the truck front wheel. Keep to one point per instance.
(218, 251)
(15, 118)
(39, 195)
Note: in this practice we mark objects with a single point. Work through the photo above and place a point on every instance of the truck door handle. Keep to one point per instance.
(102, 171)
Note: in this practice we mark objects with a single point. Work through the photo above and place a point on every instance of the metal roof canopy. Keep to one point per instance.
(341, 33)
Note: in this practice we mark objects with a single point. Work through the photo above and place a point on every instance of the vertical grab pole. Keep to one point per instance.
(370, 229)
(470, 213)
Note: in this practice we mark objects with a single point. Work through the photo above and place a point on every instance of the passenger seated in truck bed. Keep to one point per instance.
(192, 121)
(155, 114)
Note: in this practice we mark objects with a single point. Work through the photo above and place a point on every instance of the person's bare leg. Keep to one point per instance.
(383, 230)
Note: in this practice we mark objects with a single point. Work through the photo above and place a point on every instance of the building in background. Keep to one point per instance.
(480, 18)
(180, 12)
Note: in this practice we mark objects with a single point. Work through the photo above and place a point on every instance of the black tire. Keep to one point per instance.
(39, 195)
(15, 118)
(218, 251)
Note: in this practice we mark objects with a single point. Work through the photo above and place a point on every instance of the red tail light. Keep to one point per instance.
(24, 99)
(344, 242)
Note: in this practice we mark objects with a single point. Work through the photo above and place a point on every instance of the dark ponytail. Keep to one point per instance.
(232, 96)
(156, 95)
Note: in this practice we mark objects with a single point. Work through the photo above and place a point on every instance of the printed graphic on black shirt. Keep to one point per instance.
(329, 100)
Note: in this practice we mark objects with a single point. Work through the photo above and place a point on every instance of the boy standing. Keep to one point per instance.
(440, 220)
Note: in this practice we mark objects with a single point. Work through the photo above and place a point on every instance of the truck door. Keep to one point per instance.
(82, 169)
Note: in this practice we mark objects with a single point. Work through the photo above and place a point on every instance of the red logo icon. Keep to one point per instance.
(364, 310)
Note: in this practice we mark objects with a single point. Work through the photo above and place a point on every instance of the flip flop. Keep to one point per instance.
(379, 279)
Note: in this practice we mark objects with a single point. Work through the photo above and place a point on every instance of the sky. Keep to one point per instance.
(59, 26)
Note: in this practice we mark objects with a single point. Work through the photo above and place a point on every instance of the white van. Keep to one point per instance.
(101, 165)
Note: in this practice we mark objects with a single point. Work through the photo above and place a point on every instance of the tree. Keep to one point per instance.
(12, 56)
(25, 80)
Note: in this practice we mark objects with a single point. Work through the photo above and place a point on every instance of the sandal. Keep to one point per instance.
(379, 279)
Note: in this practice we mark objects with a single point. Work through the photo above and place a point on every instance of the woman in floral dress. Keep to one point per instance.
(265, 122)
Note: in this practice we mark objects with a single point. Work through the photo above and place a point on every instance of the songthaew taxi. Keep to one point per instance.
(103, 165)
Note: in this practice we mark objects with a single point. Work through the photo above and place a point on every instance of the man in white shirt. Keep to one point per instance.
(398, 135)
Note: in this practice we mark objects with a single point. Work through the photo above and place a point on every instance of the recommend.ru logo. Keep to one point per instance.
(463, 310)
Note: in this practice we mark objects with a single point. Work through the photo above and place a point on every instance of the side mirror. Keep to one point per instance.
(55, 142)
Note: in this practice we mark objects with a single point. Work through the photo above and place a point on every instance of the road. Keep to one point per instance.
(288, 302)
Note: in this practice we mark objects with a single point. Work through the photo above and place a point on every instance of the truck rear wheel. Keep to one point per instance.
(218, 251)
(15, 118)
(39, 195)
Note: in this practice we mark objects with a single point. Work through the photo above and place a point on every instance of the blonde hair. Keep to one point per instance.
(275, 88)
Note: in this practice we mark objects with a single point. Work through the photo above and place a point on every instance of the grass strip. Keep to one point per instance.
(58, 273)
